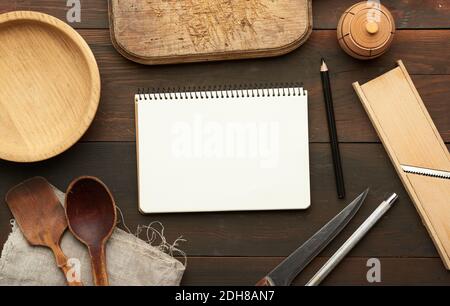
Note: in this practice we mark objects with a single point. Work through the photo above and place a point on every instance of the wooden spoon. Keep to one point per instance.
(41, 218)
(91, 214)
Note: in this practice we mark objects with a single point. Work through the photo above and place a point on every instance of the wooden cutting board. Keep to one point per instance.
(177, 31)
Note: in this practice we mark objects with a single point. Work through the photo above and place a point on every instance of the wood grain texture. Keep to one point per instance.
(425, 53)
(41, 218)
(410, 138)
(168, 32)
(408, 14)
(49, 77)
(366, 31)
(204, 271)
(94, 13)
(399, 239)
(399, 234)
(7, 6)
(92, 216)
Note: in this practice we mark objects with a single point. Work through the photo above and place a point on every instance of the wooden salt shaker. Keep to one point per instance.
(366, 30)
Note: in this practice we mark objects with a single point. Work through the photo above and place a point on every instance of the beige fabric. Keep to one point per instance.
(130, 261)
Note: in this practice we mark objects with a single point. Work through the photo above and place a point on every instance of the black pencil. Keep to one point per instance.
(339, 176)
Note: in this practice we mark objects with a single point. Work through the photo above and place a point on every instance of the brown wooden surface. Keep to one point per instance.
(408, 14)
(244, 246)
(122, 78)
(352, 271)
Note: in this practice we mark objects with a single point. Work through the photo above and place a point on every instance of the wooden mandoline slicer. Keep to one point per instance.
(415, 147)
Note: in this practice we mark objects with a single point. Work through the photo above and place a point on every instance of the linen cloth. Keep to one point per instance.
(130, 262)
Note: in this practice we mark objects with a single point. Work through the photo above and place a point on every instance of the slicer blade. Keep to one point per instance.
(426, 172)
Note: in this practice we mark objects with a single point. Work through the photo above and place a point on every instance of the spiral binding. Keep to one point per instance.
(220, 92)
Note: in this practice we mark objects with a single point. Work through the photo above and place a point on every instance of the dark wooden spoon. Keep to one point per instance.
(41, 218)
(91, 214)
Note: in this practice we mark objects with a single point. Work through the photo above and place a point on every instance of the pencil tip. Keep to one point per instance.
(323, 65)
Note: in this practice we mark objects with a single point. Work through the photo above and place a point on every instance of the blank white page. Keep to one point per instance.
(219, 153)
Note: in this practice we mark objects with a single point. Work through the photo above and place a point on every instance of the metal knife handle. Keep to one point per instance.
(352, 241)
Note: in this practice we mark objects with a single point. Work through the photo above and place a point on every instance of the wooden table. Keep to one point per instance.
(239, 248)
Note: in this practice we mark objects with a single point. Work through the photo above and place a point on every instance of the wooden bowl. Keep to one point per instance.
(49, 86)
(366, 30)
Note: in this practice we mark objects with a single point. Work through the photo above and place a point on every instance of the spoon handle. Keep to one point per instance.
(61, 261)
(98, 260)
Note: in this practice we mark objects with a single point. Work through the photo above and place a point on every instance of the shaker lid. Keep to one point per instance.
(367, 29)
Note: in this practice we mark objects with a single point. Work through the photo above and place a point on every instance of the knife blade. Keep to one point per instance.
(288, 269)
(426, 172)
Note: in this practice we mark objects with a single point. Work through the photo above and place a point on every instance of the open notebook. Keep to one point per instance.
(223, 150)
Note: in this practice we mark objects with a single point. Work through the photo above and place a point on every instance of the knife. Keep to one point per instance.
(426, 172)
(288, 269)
(352, 241)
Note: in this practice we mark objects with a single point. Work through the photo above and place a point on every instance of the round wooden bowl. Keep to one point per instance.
(49, 86)
(366, 30)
